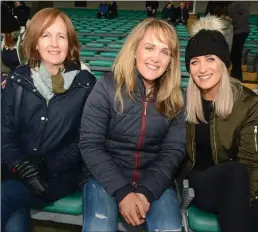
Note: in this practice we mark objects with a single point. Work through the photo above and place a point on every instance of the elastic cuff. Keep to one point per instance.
(121, 193)
(146, 192)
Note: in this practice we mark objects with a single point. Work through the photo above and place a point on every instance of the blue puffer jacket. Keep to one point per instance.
(46, 131)
(139, 150)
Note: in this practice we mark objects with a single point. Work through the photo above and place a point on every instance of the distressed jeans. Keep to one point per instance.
(101, 211)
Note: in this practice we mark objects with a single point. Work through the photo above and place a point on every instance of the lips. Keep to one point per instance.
(54, 52)
(152, 67)
(205, 77)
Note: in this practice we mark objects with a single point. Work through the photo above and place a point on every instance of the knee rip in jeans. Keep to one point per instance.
(100, 216)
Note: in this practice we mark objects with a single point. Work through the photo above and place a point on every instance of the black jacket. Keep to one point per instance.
(139, 150)
(50, 132)
(183, 12)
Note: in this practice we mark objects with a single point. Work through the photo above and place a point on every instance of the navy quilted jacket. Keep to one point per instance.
(139, 147)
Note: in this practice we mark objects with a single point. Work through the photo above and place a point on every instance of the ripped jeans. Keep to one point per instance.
(101, 211)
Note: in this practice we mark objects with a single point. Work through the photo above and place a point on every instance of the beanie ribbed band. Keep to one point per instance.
(207, 42)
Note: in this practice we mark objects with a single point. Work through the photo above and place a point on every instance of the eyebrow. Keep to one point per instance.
(155, 46)
(63, 33)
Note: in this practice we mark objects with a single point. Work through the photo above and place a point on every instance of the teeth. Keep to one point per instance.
(54, 53)
(152, 66)
(204, 77)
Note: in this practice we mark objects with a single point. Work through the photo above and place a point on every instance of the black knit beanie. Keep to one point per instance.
(207, 42)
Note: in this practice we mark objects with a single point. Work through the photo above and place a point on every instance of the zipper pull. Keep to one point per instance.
(255, 129)
(145, 108)
(255, 138)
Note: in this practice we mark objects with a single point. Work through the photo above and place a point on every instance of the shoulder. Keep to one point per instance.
(247, 99)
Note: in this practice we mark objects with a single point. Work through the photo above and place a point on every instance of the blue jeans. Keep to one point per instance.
(19, 221)
(16, 197)
(101, 211)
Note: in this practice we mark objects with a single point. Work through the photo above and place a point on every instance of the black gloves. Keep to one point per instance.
(30, 174)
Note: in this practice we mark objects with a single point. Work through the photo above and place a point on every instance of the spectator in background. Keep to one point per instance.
(220, 9)
(182, 14)
(22, 12)
(151, 8)
(103, 10)
(11, 52)
(238, 11)
(40, 126)
(169, 13)
(112, 10)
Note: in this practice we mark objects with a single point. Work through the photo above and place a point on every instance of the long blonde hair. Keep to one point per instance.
(228, 90)
(169, 100)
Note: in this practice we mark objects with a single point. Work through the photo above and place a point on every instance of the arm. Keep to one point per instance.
(248, 153)
(159, 175)
(11, 154)
(65, 159)
(94, 126)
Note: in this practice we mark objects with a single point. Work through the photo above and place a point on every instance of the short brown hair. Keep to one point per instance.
(38, 24)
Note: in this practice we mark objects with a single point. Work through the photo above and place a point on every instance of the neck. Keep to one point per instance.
(210, 94)
(53, 69)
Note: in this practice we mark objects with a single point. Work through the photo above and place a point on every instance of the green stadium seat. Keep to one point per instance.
(74, 201)
(95, 45)
(115, 46)
(101, 63)
(93, 37)
(108, 54)
(104, 41)
(200, 221)
(88, 53)
(84, 40)
(98, 74)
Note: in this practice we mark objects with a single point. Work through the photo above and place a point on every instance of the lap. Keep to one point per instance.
(164, 213)
(100, 211)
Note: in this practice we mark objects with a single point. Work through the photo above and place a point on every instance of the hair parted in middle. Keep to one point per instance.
(169, 99)
(207, 39)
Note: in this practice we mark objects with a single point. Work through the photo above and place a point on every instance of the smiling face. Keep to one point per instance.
(206, 72)
(152, 57)
(53, 45)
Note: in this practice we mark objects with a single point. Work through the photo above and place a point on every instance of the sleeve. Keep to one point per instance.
(11, 154)
(159, 175)
(94, 126)
(248, 147)
(65, 159)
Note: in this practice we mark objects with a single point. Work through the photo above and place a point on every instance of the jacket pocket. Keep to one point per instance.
(255, 138)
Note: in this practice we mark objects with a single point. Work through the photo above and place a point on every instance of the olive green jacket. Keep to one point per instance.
(235, 138)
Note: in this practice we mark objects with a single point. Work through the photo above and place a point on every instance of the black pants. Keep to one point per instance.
(224, 189)
(236, 55)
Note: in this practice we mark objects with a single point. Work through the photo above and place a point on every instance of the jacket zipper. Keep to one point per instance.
(193, 150)
(140, 142)
(255, 138)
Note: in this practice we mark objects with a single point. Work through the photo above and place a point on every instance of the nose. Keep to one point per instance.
(54, 42)
(155, 56)
(203, 67)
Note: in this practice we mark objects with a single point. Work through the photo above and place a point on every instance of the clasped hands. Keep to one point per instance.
(134, 208)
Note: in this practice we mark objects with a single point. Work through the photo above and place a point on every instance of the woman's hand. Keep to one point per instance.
(145, 202)
(132, 209)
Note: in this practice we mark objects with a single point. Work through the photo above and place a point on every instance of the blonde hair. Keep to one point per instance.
(38, 24)
(168, 95)
(228, 90)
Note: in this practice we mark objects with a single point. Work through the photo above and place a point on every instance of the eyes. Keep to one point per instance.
(152, 48)
(208, 59)
(48, 35)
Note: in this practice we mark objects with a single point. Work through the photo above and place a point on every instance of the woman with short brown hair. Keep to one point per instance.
(41, 111)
